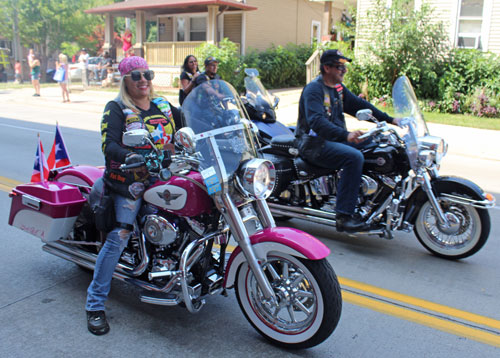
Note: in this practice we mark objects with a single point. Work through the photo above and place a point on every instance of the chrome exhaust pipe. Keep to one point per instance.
(124, 268)
(87, 260)
(307, 214)
(299, 210)
(303, 216)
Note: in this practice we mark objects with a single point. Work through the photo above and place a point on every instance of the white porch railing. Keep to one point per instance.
(312, 66)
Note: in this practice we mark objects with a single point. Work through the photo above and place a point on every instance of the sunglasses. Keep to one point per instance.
(340, 67)
(136, 75)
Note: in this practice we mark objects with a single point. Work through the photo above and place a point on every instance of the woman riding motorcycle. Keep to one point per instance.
(136, 107)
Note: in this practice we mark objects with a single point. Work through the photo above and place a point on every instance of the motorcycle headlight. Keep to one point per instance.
(434, 144)
(426, 157)
(257, 178)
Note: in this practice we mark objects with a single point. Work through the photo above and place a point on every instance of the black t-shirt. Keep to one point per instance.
(115, 122)
(205, 77)
(184, 76)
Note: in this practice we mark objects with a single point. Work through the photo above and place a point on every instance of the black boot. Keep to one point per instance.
(97, 323)
(350, 223)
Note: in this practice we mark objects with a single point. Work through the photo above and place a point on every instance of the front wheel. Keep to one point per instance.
(468, 232)
(308, 304)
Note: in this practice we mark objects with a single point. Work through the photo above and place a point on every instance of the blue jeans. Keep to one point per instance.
(126, 210)
(348, 157)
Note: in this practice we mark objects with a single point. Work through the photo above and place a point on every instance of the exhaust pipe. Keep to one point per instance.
(315, 216)
(88, 260)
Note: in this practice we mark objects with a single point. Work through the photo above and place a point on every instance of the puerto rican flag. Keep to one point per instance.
(41, 168)
(58, 157)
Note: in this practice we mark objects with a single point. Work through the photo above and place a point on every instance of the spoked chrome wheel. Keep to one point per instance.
(308, 301)
(467, 233)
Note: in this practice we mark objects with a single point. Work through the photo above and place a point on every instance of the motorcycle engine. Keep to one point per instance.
(159, 231)
(368, 185)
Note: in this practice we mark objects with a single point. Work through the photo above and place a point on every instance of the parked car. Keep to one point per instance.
(75, 71)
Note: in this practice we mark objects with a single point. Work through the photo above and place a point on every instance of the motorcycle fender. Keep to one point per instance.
(445, 184)
(278, 239)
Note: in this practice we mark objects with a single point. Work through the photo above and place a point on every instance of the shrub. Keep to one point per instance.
(229, 60)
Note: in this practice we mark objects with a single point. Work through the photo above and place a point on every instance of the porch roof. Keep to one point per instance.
(158, 7)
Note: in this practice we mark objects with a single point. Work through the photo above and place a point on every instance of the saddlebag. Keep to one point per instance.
(285, 172)
(46, 210)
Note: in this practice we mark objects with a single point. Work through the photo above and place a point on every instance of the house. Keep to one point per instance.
(184, 24)
(470, 23)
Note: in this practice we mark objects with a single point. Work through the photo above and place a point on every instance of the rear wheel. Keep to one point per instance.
(468, 232)
(308, 306)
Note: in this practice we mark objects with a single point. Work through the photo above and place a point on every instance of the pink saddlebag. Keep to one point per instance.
(45, 210)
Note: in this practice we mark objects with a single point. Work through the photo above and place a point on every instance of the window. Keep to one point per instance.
(198, 29)
(315, 31)
(470, 21)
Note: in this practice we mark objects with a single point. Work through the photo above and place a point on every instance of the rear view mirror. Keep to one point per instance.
(276, 101)
(251, 72)
(135, 138)
(185, 138)
(364, 115)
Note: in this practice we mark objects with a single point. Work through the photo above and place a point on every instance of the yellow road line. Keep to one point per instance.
(409, 314)
(7, 184)
(423, 319)
(427, 305)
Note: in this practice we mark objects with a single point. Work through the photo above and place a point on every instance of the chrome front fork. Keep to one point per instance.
(233, 217)
(427, 187)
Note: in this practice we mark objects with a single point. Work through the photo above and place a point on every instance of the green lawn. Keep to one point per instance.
(462, 120)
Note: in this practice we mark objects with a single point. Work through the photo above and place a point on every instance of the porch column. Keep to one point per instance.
(108, 36)
(212, 23)
(140, 33)
(327, 20)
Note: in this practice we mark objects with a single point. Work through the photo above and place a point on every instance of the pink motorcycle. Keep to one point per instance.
(205, 227)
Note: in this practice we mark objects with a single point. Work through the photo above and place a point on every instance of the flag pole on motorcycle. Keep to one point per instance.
(58, 157)
(40, 168)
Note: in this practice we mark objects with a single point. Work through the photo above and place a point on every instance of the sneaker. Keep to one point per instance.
(97, 323)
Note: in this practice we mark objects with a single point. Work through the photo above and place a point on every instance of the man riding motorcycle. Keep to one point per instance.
(323, 138)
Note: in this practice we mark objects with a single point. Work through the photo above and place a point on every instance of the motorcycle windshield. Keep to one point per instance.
(214, 112)
(406, 106)
(256, 94)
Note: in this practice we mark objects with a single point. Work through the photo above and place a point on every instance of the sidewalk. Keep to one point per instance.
(470, 142)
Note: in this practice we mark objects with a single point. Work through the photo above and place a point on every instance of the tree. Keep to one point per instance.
(406, 41)
(51, 25)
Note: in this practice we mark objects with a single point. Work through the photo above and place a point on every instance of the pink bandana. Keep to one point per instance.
(131, 63)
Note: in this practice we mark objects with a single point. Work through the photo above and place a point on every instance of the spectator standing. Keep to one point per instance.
(83, 59)
(35, 74)
(189, 73)
(63, 63)
(127, 42)
(31, 54)
(3, 74)
(18, 70)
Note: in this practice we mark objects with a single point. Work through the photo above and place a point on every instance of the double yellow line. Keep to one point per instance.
(461, 323)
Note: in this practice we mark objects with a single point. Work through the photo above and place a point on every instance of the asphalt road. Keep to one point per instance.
(398, 299)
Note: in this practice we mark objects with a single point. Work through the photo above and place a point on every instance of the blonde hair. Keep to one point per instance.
(124, 96)
(63, 58)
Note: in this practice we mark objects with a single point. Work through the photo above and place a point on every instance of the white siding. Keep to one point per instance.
(494, 33)
(445, 11)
